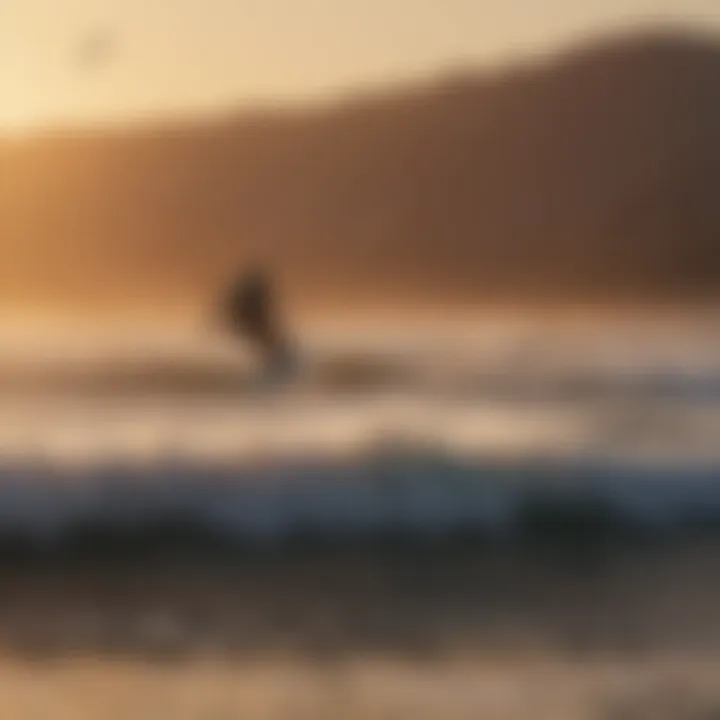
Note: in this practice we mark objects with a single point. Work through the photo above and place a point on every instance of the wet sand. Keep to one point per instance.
(430, 632)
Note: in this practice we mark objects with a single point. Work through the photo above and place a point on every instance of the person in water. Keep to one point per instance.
(251, 313)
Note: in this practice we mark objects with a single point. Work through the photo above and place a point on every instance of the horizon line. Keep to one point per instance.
(367, 91)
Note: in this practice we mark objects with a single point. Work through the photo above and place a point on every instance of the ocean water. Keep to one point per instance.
(413, 426)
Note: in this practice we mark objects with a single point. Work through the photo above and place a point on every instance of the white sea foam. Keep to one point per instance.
(446, 425)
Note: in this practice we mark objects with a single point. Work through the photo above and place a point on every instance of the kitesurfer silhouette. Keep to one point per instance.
(251, 313)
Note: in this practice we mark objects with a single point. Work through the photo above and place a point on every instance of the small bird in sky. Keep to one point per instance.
(96, 49)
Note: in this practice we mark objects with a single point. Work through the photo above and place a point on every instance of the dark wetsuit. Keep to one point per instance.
(251, 313)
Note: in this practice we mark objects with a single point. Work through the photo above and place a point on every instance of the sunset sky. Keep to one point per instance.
(80, 61)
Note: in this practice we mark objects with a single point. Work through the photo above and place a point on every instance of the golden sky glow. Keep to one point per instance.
(78, 61)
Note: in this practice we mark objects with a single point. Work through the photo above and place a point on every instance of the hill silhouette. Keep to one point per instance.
(593, 174)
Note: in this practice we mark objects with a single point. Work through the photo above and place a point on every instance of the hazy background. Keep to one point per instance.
(394, 152)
